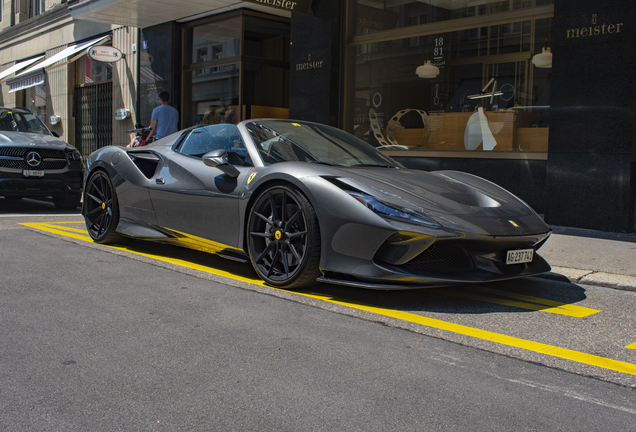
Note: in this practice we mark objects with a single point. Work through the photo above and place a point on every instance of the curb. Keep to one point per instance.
(590, 277)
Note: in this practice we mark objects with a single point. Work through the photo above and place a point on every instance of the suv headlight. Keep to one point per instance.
(393, 211)
(74, 156)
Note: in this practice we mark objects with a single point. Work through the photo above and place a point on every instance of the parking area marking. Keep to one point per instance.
(69, 232)
(65, 228)
(538, 347)
(527, 302)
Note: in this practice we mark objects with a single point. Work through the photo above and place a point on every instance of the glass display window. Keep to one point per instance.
(449, 76)
(236, 66)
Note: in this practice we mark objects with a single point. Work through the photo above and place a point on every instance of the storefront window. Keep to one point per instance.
(35, 98)
(92, 71)
(214, 95)
(211, 79)
(450, 75)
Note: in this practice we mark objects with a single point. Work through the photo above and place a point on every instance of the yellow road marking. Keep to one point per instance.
(538, 347)
(543, 305)
(554, 351)
(176, 261)
(631, 346)
(64, 228)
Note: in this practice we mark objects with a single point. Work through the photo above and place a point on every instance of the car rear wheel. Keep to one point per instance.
(101, 210)
(67, 202)
(284, 238)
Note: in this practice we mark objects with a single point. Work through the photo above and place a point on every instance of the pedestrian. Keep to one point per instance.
(164, 118)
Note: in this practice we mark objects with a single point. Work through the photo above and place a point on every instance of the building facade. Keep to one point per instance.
(535, 95)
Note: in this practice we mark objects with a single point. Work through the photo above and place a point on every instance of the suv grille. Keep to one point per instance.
(22, 151)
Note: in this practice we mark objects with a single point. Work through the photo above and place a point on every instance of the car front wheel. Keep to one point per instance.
(101, 210)
(284, 238)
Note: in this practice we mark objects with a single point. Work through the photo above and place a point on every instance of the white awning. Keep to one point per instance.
(147, 13)
(35, 74)
(18, 66)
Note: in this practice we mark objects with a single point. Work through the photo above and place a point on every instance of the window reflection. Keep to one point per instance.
(486, 96)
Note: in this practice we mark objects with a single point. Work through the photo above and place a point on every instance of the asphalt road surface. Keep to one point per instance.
(148, 337)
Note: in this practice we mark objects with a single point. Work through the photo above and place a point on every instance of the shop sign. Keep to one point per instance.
(310, 64)
(298, 6)
(105, 54)
(439, 51)
(594, 29)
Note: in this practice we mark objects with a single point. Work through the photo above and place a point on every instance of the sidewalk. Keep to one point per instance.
(592, 257)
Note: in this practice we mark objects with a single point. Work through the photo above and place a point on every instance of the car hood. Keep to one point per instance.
(27, 139)
(456, 200)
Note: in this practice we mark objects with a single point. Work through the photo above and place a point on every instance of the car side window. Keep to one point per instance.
(222, 136)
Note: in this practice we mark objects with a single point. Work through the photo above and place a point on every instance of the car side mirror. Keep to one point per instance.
(55, 134)
(218, 159)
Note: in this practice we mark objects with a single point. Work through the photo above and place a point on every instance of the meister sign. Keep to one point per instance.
(595, 29)
(298, 6)
(309, 64)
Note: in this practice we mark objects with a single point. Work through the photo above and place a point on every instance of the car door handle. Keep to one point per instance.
(160, 181)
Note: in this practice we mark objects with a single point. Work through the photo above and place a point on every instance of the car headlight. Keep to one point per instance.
(393, 211)
(74, 156)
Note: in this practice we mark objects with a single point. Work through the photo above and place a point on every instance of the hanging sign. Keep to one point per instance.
(298, 6)
(105, 54)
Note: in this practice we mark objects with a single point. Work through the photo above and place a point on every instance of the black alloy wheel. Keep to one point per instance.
(284, 238)
(101, 210)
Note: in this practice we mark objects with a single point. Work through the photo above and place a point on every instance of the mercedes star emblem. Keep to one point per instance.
(33, 158)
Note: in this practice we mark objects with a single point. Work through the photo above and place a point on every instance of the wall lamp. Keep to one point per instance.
(427, 70)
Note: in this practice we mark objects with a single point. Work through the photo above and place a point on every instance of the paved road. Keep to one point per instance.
(158, 338)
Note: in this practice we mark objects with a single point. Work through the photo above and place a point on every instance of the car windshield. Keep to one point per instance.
(21, 122)
(286, 141)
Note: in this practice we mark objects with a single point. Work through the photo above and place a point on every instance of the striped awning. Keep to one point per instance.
(35, 74)
(18, 66)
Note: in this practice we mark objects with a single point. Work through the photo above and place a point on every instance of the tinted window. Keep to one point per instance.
(223, 136)
(21, 122)
(286, 141)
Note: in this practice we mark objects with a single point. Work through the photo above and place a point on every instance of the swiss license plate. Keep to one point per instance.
(33, 173)
(519, 256)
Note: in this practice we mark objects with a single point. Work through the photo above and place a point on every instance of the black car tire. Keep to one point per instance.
(284, 238)
(67, 202)
(101, 209)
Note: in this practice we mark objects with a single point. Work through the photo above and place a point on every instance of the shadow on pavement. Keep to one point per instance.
(532, 294)
(32, 206)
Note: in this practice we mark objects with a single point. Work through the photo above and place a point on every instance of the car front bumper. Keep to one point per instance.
(69, 182)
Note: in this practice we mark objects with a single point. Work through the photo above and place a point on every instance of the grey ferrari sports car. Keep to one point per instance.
(305, 202)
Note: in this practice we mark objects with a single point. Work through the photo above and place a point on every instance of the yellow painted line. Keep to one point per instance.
(538, 347)
(554, 351)
(631, 346)
(44, 227)
(64, 228)
(542, 305)
(176, 261)
(579, 311)
(69, 222)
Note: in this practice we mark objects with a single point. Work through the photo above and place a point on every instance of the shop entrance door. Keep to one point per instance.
(94, 117)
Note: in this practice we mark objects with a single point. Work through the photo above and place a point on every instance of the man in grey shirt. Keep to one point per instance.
(164, 118)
